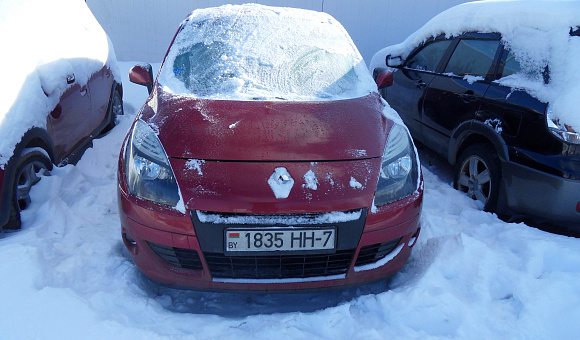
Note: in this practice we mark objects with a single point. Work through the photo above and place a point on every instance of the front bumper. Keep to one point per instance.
(541, 195)
(172, 248)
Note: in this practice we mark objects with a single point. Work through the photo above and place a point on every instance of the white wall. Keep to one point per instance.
(141, 30)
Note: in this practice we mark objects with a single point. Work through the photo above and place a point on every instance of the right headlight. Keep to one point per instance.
(399, 169)
(562, 131)
(149, 174)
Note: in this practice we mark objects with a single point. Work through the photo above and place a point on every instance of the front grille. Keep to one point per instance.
(180, 257)
(278, 266)
(375, 252)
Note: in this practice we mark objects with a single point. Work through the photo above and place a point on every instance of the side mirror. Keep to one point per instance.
(384, 79)
(394, 62)
(142, 74)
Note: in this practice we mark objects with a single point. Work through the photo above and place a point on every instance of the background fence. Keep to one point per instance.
(141, 30)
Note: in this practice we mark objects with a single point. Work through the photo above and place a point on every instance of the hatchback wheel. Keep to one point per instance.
(116, 110)
(478, 173)
(31, 166)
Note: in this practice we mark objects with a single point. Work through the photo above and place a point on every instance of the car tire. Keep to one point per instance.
(30, 166)
(116, 109)
(478, 174)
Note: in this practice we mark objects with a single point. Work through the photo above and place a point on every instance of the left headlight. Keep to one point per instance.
(149, 174)
(562, 131)
(399, 169)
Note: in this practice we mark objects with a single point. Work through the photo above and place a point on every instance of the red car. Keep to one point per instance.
(63, 97)
(264, 159)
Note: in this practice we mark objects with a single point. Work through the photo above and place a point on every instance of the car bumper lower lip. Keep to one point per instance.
(535, 193)
(154, 248)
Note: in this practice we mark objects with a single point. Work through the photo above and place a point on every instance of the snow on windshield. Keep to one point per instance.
(252, 52)
(536, 32)
(44, 42)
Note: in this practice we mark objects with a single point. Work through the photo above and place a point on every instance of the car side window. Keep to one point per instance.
(472, 57)
(429, 56)
(509, 66)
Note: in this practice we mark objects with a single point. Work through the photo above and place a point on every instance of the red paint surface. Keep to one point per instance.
(268, 131)
(159, 270)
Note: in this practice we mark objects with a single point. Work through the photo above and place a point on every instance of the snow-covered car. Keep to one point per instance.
(265, 159)
(62, 89)
(493, 87)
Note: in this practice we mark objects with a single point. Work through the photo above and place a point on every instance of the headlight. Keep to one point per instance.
(149, 175)
(399, 169)
(562, 131)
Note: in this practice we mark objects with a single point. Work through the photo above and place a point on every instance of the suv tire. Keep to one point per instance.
(478, 174)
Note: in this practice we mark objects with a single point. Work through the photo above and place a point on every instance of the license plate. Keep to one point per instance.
(276, 240)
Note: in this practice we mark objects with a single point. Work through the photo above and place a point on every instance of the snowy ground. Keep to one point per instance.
(66, 275)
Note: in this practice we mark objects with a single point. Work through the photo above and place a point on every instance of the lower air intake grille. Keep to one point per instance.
(278, 267)
(375, 252)
(180, 257)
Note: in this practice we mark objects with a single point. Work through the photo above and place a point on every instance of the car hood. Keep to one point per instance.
(195, 128)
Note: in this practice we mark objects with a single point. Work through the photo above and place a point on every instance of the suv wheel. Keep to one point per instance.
(478, 173)
(31, 165)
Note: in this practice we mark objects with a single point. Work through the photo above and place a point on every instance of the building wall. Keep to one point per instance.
(141, 30)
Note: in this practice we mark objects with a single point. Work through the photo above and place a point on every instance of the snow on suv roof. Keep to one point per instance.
(254, 52)
(537, 33)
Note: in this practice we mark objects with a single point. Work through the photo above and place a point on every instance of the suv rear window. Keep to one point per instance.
(510, 65)
(472, 57)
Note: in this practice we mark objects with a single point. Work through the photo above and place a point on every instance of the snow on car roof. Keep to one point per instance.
(43, 42)
(255, 52)
(537, 32)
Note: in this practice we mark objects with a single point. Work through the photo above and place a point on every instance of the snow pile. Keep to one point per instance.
(253, 52)
(470, 276)
(537, 33)
(43, 43)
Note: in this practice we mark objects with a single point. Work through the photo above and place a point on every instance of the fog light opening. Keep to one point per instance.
(130, 243)
(413, 238)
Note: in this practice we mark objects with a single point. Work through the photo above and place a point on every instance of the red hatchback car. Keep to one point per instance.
(62, 89)
(264, 159)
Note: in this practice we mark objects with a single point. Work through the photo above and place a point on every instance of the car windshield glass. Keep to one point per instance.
(260, 56)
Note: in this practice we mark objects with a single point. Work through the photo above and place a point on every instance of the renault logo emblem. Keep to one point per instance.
(281, 182)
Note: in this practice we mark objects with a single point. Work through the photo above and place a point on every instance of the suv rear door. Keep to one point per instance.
(455, 93)
(521, 115)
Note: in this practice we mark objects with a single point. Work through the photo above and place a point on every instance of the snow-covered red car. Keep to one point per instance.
(64, 89)
(264, 159)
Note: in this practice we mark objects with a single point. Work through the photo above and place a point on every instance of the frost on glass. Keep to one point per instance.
(257, 54)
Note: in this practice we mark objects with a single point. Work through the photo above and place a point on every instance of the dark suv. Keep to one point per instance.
(507, 150)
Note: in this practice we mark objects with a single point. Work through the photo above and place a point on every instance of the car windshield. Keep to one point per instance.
(256, 54)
